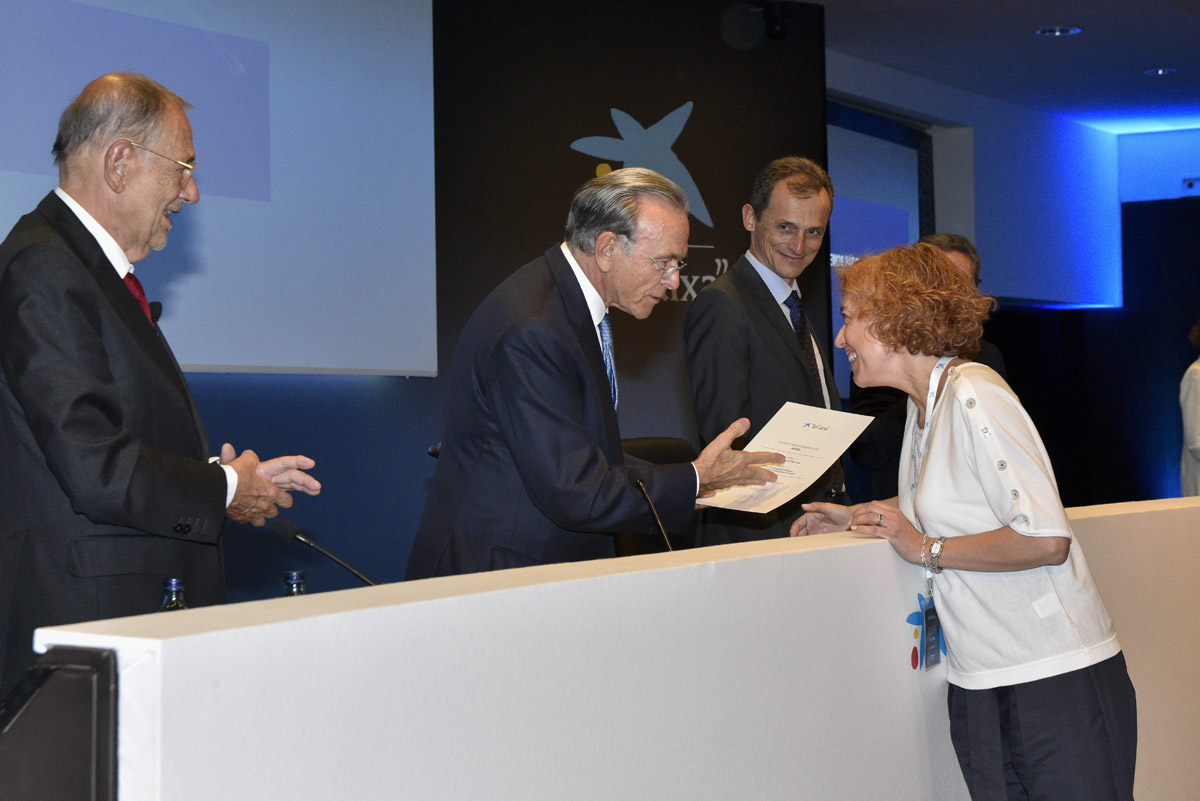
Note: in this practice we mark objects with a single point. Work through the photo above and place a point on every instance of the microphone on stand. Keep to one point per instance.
(654, 512)
(290, 531)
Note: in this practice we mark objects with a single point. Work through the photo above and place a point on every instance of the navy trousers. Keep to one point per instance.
(1062, 738)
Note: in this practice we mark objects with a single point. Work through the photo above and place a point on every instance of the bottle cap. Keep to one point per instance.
(173, 584)
(293, 575)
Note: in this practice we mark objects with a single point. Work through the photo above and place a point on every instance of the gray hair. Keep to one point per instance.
(117, 105)
(610, 203)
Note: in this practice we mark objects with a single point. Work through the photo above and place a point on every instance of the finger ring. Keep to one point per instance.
(880, 523)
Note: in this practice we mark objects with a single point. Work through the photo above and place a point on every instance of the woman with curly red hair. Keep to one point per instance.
(1040, 701)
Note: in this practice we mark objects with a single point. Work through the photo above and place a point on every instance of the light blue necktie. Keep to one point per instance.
(606, 345)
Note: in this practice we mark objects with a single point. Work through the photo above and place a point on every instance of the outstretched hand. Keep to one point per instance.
(878, 518)
(263, 487)
(822, 518)
(287, 472)
(718, 466)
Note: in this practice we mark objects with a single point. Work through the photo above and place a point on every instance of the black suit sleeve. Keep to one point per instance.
(91, 404)
(717, 343)
(541, 406)
(990, 355)
(881, 441)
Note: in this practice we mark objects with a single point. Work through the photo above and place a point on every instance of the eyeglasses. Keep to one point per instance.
(666, 270)
(188, 169)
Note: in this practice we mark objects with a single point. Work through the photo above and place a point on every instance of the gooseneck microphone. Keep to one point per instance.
(654, 512)
(290, 531)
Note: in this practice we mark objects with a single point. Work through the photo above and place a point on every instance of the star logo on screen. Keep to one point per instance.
(649, 148)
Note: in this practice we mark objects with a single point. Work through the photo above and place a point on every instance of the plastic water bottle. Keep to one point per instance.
(172, 595)
(293, 583)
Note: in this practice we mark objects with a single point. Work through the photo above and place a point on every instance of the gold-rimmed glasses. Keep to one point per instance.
(666, 270)
(188, 169)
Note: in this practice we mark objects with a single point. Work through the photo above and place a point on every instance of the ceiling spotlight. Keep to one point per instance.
(1161, 71)
(1058, 30)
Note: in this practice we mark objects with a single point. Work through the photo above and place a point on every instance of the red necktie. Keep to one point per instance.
(139, 294)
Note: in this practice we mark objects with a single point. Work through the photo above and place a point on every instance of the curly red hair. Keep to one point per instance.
(913, 298)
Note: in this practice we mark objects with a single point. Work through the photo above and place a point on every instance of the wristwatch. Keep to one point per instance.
(935, 551)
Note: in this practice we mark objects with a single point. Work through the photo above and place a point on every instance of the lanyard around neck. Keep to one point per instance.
(935, 378)
(920, 434)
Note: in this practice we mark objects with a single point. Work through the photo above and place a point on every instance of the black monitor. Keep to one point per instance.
(58, 728)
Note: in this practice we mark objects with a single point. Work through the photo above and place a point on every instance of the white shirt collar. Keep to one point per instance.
(112, 250)
(779, 287)
(590, 294)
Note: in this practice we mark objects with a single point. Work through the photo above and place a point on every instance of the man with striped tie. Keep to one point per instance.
(530, 468)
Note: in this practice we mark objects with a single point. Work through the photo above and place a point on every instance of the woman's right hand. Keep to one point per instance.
(822, 518)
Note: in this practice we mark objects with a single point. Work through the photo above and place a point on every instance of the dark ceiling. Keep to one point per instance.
(989, 47)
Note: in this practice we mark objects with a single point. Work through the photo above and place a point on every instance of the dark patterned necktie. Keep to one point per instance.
(807, 351)
(139, 294)
(606, 345)
(800, 324)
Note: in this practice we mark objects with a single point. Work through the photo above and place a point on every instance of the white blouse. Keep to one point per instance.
(1189, 405)
(983, 466)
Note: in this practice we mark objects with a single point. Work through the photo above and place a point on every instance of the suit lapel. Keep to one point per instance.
(753, 287)
(580, 319)
(148, 337)
(201, 433)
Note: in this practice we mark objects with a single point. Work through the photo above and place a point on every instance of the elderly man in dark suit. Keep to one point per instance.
(747, 340)
(106, 486)
(531, 470)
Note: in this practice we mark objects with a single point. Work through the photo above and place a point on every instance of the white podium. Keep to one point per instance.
(771, 670)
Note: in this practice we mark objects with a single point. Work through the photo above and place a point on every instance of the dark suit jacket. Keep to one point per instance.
(744, 361)
(531, 469)
(104, 487)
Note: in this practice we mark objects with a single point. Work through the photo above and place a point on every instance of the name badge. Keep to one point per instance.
(933, 638)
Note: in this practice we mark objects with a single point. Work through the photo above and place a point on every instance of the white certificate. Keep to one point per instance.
(811, 438)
